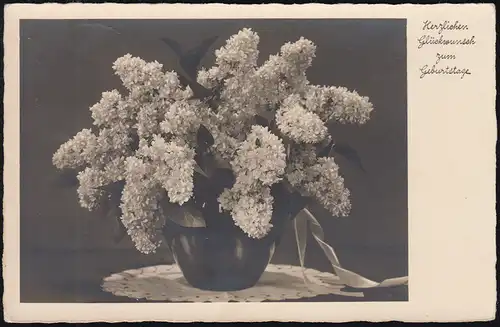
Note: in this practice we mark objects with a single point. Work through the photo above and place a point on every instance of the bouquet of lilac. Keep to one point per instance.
(162, 147)
(266, 124)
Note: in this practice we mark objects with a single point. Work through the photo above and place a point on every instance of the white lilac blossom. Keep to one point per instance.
(224, 145)
(270, 84)
(73, 153)
(261, 157)
(235, 71)
(181, 118)
(146, 137)
(240, 97)
(323, 182)
(92, 179)
(298, 58)
(107, 110)
(89, 192)
(300, 53)
(148, 120)
(285, 73)
(303, 155)
(240, 53)
(137, 74)
(300, 125)
(174, 167)
(211, 77)
(260, 162)
(251, 211)
(111, 143)
(86, 148)
(140, 204)
(339, 104)
(170, 88)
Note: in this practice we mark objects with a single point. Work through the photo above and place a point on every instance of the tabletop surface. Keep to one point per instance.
(76, 276)
(277, 283)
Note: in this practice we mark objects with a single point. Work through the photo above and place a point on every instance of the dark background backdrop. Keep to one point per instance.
(67, 64)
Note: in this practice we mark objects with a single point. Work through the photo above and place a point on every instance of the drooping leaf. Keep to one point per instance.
(186, 215)
(174, 45)
(184, 81)
(200, 50)
(204, 159)
(120, 230)
(199, 91)
(134, 142)
(288, 150)
(214, 96)
(199, 170)
(204, 138)
(190, 60)
(273, 126)
(115, 188)
(165, 204)
(296, 200)
(268, 111)
(210, 163)
(221, 162)
(325, 151)
(261, 121)
(110, 207)
(289, 187)
(342, 149)
(192, 217)
(221, 179)
(297, 203)
(349, 153)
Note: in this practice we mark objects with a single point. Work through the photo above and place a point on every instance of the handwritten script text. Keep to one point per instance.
(449, 38)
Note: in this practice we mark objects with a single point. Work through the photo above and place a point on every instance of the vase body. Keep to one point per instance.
(220, 256)
(220, 259)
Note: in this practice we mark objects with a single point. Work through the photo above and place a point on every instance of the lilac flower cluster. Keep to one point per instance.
(155, 106)
(163, 115)
(260, 162)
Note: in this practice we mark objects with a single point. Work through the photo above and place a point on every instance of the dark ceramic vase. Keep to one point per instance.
(219, 259)
(220, 256)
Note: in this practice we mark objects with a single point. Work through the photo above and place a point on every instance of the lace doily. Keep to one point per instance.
(279, 282)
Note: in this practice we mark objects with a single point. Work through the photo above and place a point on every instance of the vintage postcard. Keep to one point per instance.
(233, 163)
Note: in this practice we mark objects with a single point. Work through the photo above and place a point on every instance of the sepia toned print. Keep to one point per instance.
(229, 163)
(206, 151)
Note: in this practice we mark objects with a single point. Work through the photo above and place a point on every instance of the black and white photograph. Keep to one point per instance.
(213, 160)
(195, 160)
